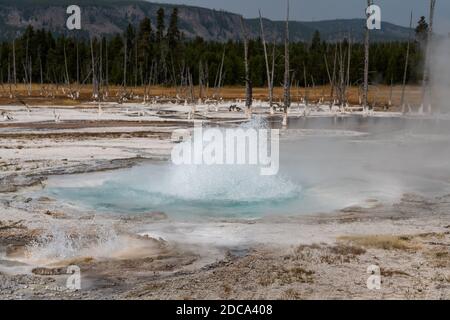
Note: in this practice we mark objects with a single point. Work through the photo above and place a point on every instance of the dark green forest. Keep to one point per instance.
(162, 56)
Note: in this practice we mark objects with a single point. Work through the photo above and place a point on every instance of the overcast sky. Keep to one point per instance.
(396, 11)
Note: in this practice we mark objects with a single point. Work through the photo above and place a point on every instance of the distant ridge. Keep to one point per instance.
(107, 17)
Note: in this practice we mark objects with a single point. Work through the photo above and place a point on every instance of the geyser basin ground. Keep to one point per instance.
(332, 162)
(325, 164)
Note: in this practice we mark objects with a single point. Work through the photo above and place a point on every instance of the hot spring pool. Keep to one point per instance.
(320, 171)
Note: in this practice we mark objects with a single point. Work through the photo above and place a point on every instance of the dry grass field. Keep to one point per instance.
(379, 96)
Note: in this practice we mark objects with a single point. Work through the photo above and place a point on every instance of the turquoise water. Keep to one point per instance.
(317, 174)
(180, 190)
(310, 180)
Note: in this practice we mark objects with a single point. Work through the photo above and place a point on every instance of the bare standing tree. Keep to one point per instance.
(287, 83)
(71, 94)
(219, 77)
(200, 81)
(66, 69)
(125, 67)
(333, 87)
(100, 70)
(405, 74)
(78, 64)
(28, 68)
(426, 94)
(9, 79)
(269, 76)
(341, 82)
(327, 67)
(94, 77)
(135, 62)
(248, 81)
(40, 71)
(305, 81)
(106, 69)
(1, 70)
(366, 62)
(274, 46)
(391, 92)
(349, 62)
(331, 77)
(14, 63)
(190, 83)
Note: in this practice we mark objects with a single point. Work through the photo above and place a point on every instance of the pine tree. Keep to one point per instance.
(173, 33)
(315, 43)
(160, 25)
(130, 38)
(45, 60)
(422, 31)
(145, 32)
(144, 38)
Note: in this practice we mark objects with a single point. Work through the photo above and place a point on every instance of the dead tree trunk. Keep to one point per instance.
(190, 82)
(125, 67)
(206, 78)
(269, 77)
(28, 75)
(106, 69)
(273, 67)
(333, 78)
(200, 81)
(327, 67)
(248, 81)
(287, 83)
(14, 63)
(65, 66)
(28, 67)
(219, 76)
(305, 81)
(40, 72)
(426, 94)
(94, 77)
(135, 62)
(78, 66)
(1, 70)
(100, 71)
(391, 92)
(405, 74)
(341, 86)
(9, 78)
(366, 63)
(349, 61)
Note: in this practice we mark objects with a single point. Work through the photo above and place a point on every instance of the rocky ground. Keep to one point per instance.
(414, 263)
(325, 256)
